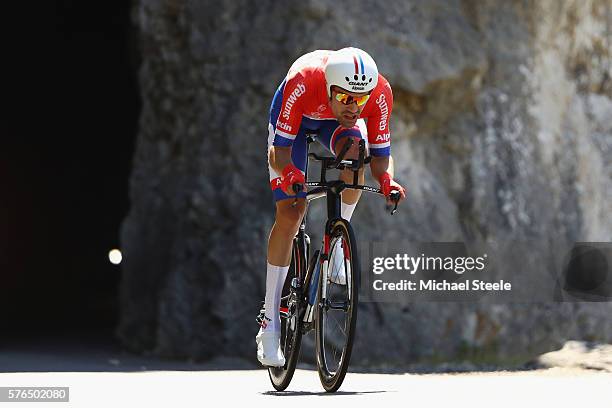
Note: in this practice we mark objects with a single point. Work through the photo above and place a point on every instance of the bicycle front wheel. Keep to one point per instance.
(337, 307)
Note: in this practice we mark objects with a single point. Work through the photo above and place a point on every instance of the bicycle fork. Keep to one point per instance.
(321, 262)
(312, 289)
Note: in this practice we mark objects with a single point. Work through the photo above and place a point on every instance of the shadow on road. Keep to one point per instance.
(319, 394)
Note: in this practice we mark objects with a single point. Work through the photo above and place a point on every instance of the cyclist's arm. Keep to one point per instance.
(288, 122)
(280, 157)
(379, 135)
(381, 164)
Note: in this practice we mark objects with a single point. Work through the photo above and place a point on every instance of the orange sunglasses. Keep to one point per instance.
(348, 99)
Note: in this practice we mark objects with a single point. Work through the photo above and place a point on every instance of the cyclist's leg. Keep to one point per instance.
(286, 223)
(288, 216)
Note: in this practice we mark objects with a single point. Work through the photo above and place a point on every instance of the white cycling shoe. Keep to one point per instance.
(337, 273)
(269, 352)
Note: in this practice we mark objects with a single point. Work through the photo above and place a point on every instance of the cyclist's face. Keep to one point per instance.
(346, 115)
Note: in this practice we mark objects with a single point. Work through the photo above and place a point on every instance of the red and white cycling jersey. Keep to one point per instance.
(305, 95)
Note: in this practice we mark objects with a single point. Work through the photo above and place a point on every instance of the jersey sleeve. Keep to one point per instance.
(290, 115)
(379, 135)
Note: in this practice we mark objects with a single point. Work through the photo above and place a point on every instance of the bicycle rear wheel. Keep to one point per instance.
(337, 308)
(291, 324)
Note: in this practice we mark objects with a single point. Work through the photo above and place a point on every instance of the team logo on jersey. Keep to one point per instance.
(321, 108)
(383, 138)
(293, 96)
(284, 126)
(384, 111)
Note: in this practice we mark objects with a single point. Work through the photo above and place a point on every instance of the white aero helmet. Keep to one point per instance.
(352, 69)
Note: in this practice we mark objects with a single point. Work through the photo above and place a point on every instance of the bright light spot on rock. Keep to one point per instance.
(115, 256)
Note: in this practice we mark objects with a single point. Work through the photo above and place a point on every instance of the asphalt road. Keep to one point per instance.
(539, 388)
(99, 374)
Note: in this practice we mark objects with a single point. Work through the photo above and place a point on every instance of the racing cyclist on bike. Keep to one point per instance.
(339, 95)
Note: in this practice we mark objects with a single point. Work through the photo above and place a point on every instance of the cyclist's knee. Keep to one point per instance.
(353, 152)
(288, 215)
(347, 175)
(351, 196)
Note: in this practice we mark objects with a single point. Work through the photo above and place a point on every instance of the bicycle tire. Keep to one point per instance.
(332, 377)
(291, 338)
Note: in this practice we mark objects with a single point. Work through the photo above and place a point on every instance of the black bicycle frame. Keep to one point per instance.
(332, 191)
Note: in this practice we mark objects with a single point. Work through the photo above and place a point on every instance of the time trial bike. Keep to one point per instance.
(321, 291)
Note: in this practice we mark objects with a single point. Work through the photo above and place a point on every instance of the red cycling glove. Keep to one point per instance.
(387, 185)
(290, 176)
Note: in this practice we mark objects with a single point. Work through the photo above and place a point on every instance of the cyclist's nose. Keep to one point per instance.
(353, 108)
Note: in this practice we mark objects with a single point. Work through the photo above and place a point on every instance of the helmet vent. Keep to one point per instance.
(347, 79)
(356, 77)
(363, 77)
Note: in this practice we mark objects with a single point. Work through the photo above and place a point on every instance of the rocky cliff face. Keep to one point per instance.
(501, 129)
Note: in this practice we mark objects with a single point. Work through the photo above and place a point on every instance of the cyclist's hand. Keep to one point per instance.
(387, 185)
(291, 175)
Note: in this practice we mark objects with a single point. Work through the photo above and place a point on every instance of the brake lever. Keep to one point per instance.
(395, 197)
(394, 210)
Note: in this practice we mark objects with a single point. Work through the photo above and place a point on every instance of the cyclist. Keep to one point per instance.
(340, 95)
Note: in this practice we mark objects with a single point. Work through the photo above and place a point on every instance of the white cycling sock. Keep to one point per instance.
(275, 280)
(346, 210)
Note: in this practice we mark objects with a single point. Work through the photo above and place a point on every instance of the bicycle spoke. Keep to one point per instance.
(337, 310)
(340, 335)
(335, 331)
(335, 323)
(336, 337)
(340, 327)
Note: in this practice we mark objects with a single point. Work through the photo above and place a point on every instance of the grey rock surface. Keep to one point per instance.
(501, 130)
